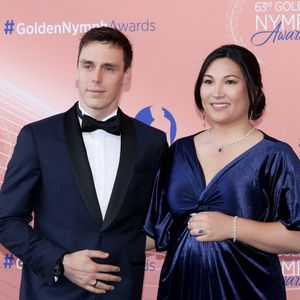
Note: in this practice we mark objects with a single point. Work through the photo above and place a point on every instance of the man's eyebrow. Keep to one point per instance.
(110, 65)
(85, 61)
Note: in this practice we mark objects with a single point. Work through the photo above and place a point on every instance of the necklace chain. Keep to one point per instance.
(237, 140)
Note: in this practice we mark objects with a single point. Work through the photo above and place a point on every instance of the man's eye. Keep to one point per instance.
(87, 67)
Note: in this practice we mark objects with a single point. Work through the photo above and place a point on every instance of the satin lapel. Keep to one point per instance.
(125, 169)
(80, 164)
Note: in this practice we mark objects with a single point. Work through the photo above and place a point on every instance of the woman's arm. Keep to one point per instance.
(150, 244)
(271, 237)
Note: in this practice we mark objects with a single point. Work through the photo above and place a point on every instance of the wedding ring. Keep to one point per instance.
(96, 283)
(201, 231)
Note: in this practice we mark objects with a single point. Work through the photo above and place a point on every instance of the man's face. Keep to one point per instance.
(100, 78)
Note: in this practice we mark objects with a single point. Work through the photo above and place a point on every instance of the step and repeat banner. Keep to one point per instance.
(171, 38)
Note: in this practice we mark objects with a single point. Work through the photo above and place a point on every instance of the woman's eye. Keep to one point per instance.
(207, 81)
(230, 82)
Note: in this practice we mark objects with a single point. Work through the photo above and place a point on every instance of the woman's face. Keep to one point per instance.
(224, 92)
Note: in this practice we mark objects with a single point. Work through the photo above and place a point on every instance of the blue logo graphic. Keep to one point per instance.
(159, 117)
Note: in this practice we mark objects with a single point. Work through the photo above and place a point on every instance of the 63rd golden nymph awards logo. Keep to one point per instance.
(262, 23)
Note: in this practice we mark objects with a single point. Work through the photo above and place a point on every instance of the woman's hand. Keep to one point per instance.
(211, 226)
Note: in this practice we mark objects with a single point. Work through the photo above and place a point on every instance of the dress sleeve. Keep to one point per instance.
(285, 187)
(159, 219)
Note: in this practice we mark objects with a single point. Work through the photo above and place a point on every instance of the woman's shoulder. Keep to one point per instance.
(273, 146)
(276, 144)
(185, 141)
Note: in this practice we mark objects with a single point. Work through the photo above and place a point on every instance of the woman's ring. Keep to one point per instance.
(201, 231)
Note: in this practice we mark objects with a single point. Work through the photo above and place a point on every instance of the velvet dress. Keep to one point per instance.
(262, 184)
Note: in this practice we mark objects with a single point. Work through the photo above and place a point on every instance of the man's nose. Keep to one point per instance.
(98, 76)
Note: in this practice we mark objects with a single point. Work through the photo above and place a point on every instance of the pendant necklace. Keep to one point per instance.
(237, 140)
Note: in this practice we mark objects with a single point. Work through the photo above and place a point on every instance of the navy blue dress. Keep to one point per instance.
(261, 184)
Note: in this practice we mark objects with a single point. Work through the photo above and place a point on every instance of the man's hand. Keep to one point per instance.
(84, 272)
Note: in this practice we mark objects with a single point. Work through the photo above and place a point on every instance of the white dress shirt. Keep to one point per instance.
(103, 151)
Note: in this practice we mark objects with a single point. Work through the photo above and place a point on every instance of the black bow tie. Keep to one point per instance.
(112, 125)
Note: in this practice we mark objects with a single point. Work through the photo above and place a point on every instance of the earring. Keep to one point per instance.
(204, 118)
(251, 115)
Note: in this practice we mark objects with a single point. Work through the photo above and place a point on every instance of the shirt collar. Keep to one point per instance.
(114, 113)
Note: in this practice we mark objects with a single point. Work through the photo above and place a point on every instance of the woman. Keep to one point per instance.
(227, 199)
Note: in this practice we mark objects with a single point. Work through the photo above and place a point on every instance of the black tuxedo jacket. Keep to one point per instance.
(49, 175)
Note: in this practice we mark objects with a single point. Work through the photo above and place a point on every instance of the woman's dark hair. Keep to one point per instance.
(250, 69)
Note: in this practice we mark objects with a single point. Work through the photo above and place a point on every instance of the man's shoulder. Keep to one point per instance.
(47, 122)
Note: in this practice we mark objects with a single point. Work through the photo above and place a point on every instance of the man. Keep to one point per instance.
(88, 188)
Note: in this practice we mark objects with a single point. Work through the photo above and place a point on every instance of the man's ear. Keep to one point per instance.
(127, 76)
(76, 79)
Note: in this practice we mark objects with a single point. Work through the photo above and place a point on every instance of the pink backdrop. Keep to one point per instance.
(171, 38)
